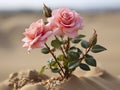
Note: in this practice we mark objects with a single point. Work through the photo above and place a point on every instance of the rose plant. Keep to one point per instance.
(64, 25)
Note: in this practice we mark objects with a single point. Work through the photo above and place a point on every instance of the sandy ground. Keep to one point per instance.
(96, 79)
(15, 58)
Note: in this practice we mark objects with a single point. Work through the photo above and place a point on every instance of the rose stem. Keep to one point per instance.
(66, 70)
(91, 44)
(61, 47)
(55, 59)
(68, 45)
(83, 55)
(67, 74)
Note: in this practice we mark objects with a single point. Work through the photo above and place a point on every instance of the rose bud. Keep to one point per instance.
(47, 11)
(93, 39)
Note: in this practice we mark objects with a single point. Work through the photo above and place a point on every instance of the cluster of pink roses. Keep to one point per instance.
(62, 22)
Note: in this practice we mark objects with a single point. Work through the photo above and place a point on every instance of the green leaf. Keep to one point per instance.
(79, 51)
(42, 69)
(56, 43)
(90, 61)
(81, 36)
(44, 50)
(76, 40)
(65, 64)
(88, 56)
(84, 67)
(85, 44)
(73, 64)
(53, 64)
(73, 55)
(55, 70)
(98, 48)
(60, 57)
(75, 49)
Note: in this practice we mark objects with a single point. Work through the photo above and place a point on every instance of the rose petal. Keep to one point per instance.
(25, 45)
(36, 35)
(65, 21)
(26, 40)
(46, 35)
(72, 35)
(57, 31)
(35, 40)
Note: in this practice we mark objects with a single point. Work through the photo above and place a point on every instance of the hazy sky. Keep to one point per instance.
(37, 4)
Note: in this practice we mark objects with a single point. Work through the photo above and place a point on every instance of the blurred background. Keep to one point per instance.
(16, 15)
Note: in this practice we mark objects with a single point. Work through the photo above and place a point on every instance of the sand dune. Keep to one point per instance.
(105, 81)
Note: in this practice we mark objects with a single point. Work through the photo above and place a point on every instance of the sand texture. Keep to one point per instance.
(30, 80)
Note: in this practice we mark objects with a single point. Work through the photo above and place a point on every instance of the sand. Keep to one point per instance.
(97, 79)
(14, 58)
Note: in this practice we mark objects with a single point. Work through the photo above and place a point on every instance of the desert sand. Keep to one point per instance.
(14, 58)
(96, 79)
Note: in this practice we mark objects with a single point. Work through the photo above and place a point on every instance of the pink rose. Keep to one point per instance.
(65, 21)
(36, 35)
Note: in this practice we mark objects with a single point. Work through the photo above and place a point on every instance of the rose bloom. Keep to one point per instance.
(36, 35)
(65, 21)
